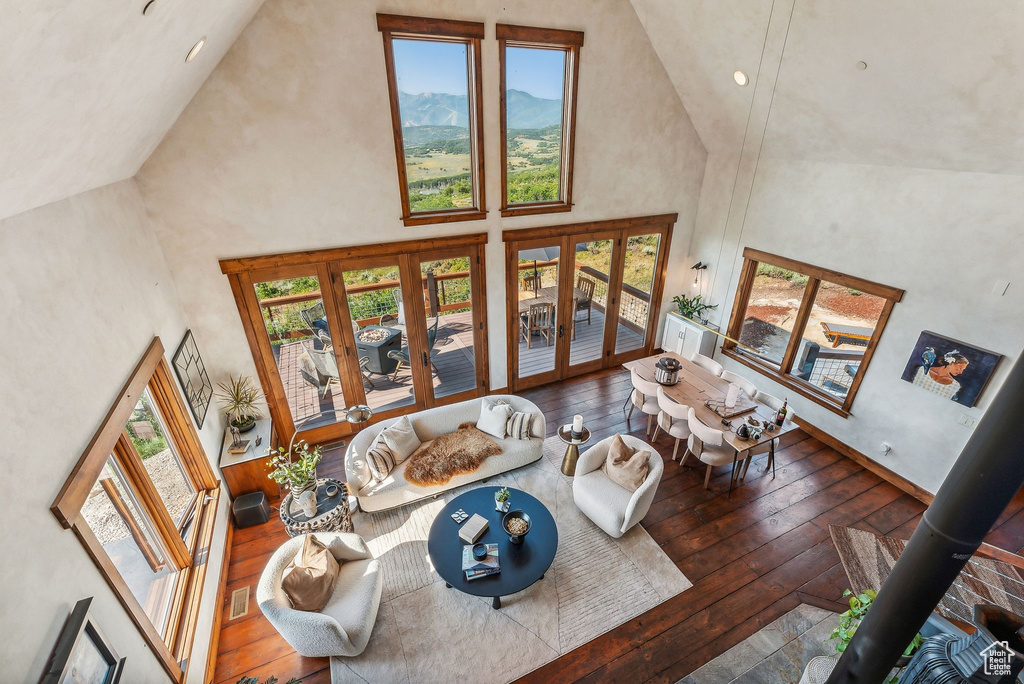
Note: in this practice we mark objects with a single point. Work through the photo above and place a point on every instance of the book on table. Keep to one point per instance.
(476, 569)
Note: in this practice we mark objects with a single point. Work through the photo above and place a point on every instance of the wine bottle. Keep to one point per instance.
(780, 417)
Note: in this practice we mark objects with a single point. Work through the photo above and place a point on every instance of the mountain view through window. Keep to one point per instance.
(534, 83)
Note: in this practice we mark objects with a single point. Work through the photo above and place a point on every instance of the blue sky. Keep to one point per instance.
(423, 66)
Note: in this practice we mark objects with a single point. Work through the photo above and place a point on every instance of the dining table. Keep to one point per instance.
(545, 295)
(705, 393)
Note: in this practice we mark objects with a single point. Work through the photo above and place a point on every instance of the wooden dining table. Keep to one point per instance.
(703, 391)
(545, 295)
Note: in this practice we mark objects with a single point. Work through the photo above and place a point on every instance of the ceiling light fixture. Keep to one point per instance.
(195, 50)
(740, 78)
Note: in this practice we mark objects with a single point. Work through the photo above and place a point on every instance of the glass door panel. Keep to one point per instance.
(378, 320)
(640, 268)
(591, 275)
(448, 302)
(537, 280)
(295, 322)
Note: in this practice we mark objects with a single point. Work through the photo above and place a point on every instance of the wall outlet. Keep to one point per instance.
(966, 420)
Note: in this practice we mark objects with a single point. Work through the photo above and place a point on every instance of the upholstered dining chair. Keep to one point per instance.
(643, 397)
(673, 418)
(343, 626)
(586, 299)
(708, 445)
(744, 384)
(707, 363)
(768, 447)
(610, 506)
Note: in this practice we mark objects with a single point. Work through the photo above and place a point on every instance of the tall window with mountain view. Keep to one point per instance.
(539, 69)
(434, 83)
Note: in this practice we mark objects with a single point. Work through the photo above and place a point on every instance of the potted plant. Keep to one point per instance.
(239, 398)
(693, 308)
(501, 499)
(296, 468)
(851, 619)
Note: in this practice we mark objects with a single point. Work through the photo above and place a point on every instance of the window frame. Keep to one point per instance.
(471, 34)
(546, 39)
(815, 275)
(188, 553)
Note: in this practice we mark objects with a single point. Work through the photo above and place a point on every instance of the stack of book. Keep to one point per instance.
(475, 569)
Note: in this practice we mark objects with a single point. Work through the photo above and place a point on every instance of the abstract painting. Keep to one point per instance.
(949, 368)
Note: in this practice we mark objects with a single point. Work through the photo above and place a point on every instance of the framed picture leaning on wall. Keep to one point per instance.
(82, 654)
(949, 368)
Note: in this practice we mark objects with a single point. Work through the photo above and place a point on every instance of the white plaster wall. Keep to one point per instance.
(945, 237)
(83, 289)
(288, 146)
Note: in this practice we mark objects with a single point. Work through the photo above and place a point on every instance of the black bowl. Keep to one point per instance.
(525, 517)
(479, 551)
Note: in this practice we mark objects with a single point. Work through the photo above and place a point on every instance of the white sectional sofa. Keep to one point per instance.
(397, 491)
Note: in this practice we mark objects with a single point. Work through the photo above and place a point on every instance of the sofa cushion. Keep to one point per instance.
(309, 579)
(381, 460)
(519, 425)
(401, 439)
(493, 418)
(624, 466)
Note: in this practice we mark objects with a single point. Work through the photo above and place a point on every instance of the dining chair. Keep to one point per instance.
(585, 301)
(643, 397)
(539, 319)
(774, 403)
(709, 446)
(744, 384)
(707, 363)
(673, 418)
(531, 282)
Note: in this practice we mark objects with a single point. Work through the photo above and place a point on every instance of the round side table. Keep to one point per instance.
(572, 451)
(332, 513)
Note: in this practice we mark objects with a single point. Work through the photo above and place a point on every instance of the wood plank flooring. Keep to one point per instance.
(751, 557)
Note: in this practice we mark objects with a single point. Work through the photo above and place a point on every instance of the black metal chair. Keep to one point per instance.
(402, 355)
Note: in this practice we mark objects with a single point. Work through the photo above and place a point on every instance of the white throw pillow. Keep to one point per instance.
(401, 439)
(494, 418)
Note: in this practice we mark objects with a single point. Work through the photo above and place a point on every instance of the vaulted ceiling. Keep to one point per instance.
(90, 87)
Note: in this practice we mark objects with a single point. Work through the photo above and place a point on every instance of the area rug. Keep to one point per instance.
(427, 633)
(441, 459)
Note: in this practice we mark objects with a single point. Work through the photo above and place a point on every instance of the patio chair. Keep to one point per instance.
(539, 319)
(315, 318)
(531, 282)
(402, 355)
(325, 363)
(586, 298)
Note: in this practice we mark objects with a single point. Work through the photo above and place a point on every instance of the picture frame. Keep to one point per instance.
(195, 382)
(83, 655)
(950, 368)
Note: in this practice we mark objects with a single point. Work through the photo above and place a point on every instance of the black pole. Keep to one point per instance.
(982, 482)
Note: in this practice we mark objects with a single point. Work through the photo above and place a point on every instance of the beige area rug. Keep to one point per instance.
(427, 633)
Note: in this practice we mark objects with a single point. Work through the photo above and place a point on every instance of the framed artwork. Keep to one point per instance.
(191, 372)
(82, 654)
(949, 368)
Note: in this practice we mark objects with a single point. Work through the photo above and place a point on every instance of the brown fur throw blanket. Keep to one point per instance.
(449, 455)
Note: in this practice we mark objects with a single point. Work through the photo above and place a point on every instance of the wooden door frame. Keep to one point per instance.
(657, 292)
(569, 370)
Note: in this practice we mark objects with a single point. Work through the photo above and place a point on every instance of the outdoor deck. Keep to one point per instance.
(586, 347)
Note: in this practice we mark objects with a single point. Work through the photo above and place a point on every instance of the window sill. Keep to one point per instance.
(428, 218)
(800, 388)
(531, 209)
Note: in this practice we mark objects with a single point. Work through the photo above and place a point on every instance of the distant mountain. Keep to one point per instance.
(527, 111)
(443, 109)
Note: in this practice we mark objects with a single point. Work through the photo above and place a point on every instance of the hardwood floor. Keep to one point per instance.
(752, 557)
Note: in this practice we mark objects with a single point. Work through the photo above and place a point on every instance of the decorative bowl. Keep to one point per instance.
(479, 551)
(516, 515)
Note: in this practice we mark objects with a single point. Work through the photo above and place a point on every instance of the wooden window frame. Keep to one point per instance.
(189, 555)
(332, 263)
(815, 275)
(470, 33)
(569, 42)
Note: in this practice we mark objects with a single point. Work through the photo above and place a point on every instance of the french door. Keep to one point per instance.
(582, 297)
(396, 327)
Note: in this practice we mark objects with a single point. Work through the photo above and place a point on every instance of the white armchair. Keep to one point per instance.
(611, 507)
(343, 627)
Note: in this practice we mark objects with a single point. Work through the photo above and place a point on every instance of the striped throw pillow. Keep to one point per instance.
(381, 460)
(519, 424)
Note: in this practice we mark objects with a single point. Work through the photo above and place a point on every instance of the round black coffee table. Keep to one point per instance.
(521, 564)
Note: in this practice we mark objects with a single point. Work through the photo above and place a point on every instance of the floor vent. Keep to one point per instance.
(239, 603)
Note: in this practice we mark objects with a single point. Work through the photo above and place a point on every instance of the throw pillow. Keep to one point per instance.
(494, 418)
(309, 579)
(401, 439)
(381, 460)
(519, 425)
(624, 466)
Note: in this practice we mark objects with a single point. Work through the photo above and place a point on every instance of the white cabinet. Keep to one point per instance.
(684, 337)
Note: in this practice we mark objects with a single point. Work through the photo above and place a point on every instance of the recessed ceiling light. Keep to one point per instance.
(862, 65)
(740, 78)
(195, 49)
